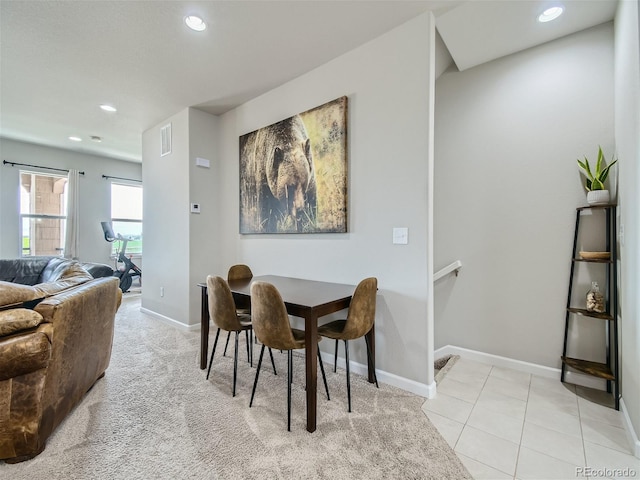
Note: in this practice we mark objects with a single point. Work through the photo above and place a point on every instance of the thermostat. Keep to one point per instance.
(195, 208)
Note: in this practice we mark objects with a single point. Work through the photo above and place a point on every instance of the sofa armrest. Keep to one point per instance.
(83, 320)
(25, 353)
(98, 270)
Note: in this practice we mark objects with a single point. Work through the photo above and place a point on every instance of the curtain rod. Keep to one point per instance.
(13, 164)
(122, 178)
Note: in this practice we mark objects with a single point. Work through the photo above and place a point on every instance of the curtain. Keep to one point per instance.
(71, 241)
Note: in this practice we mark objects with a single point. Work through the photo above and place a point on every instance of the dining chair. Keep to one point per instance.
(243, 304)
(223, 313)
(272, 328)
(360, 317)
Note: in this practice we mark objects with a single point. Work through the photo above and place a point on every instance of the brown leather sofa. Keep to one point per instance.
(55, 343)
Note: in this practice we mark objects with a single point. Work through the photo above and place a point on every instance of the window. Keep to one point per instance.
(126, 217)
(43, 208)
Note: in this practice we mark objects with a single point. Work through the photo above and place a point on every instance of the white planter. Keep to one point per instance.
(598, 197)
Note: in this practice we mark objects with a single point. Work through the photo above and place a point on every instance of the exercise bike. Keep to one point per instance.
(130, 270)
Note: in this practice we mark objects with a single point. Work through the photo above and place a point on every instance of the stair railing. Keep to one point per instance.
(454, 267)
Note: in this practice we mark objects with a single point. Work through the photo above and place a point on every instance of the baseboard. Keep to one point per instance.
(542, 371)
(421, 389)
(631, 433)
(532, 368)
(170, 321)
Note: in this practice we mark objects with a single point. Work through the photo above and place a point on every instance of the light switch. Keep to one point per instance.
(195, 208)
(400, 235)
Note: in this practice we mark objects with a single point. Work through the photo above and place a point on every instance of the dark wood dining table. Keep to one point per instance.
(308, 299)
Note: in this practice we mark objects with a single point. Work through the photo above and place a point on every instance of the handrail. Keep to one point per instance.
(454, 267)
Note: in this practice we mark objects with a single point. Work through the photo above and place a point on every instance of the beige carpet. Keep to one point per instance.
(154, 416)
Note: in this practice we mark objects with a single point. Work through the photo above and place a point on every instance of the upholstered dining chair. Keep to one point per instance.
(240, 272)
(272, 328)
(360, 317)
(243, 304)
(222, 311)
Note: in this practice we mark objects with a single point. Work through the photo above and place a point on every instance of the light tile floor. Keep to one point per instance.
(508, 424)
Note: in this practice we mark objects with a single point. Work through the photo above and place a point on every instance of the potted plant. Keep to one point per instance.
(597, 194)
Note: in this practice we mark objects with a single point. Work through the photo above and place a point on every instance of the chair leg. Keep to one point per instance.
(289, 381)
(235, 364)
(255, 382)
(246, 335)
(335, 357)
(272, 362)
(226, 344)
(251, 337)
(375, 377)
(213, 352)
(346, 355)
(324, 377)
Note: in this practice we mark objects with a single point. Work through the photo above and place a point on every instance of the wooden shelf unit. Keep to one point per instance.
(609, 370)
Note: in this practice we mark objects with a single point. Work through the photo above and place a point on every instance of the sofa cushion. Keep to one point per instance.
(59, 268)
(25, 271)
(18, 319)
(16, 293)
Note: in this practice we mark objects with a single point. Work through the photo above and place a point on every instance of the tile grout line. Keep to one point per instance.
(526, 408)
(584, 448)
(472, 408)
(465, 424)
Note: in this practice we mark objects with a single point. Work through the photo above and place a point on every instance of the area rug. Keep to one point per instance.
(155, 416)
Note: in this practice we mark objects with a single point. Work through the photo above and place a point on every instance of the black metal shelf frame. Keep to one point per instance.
(609, 370)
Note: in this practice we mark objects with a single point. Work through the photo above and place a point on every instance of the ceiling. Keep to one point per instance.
(59, 60)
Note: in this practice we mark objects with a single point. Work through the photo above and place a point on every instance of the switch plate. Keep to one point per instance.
(195, 208)
(400, 235)
(203, 162)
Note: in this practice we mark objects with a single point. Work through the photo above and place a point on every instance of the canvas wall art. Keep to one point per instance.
(293, 174)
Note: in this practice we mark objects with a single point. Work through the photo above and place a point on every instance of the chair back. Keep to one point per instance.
(362, 310)
(269, 317)
(222, 309)
(239, 272)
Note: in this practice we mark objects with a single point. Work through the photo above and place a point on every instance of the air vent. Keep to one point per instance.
(165, 139)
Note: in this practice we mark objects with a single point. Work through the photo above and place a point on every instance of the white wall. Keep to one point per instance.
(166, 221)
(180, 246)
(95, 194)
(204, 231)
(386, 81)
(508, 134)
(627, 126)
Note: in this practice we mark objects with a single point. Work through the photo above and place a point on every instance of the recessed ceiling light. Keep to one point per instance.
(96, 138)
(195, 23)
(550, 14)
(108, 108)
(75, 139)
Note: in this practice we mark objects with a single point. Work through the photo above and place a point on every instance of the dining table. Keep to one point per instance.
(307, 299)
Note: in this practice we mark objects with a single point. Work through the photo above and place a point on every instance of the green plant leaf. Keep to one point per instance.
(599, 163)
(585, 166)
(597, 184)
(587, 185)
(605, 172)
